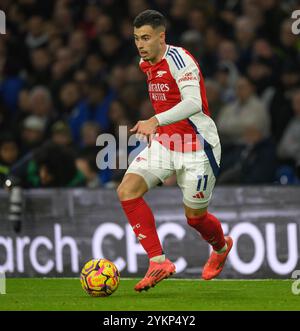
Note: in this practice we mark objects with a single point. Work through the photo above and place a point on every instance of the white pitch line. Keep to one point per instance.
(174, 279)
(233, 215)
(202, 280)
(216, 280)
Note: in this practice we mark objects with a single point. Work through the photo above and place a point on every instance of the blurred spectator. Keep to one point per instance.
(40, 102)
(61, 134)
(63, 20)
(213, 94)
(24, 110)
(116, 175)
(40, 66)
(24, 101)
(273, 15)
(64, 62)
(11, 82)
(62, 69)
(64, 57)
(197, 18)
(280, 105)
(49, 165)
(209, 57)
(78, 47)
(227, 52)
(253, 162)
(91, 14)
(288, 41)
(86, 164)
(81, 78)
(262, 48)
(9, 153)
(248, 111)
(260, 71)
(226, 76)
(252, 10)
(117, 78)
(178, 19)
(289, 146)
(54, 166)
(110, 47)
(95, 67)
(32, 134)
(36, 36)
(103, 24)
(89, 133)
(118, 118)
(192, 41)
(69, 98)
(136, 6)
(117, 114)
(95, 108)
(244, 36)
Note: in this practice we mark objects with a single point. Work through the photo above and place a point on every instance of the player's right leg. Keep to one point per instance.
(139, 178)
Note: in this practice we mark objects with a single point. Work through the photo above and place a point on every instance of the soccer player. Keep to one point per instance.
(182, 139)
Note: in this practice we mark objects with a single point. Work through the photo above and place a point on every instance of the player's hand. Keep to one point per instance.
(146, 128)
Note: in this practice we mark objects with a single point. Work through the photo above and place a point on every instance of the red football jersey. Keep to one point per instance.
(166, 79)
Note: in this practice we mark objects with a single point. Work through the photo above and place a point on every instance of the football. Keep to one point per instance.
(100, 278)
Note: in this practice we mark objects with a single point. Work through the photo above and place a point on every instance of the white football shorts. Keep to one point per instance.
(195, 171)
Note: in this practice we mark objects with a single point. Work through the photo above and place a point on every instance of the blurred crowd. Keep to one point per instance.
(69, 72)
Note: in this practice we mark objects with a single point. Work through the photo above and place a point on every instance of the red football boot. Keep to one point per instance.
(215, 263)
(156, 273)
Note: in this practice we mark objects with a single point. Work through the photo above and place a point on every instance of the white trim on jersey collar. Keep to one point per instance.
(166, 52)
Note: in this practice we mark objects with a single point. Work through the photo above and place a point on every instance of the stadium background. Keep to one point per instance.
(69, 72)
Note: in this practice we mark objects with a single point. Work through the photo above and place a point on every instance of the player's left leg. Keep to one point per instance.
(210, 229)
(197, 181)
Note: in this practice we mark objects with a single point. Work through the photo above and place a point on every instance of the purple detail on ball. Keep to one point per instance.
(90, 268)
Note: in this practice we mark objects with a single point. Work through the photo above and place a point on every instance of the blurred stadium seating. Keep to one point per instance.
(69, 71)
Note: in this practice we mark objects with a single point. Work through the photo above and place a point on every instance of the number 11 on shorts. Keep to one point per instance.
(200, 177)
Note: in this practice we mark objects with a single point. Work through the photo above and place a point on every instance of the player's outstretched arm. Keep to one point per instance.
(190, 104)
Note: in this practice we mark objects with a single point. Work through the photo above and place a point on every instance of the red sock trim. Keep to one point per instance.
(131, 204)
(195, 221)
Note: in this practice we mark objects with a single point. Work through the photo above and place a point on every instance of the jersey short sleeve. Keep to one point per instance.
(183, 68)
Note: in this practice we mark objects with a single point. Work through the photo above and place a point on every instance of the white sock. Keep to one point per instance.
(158, 258)
(222, 250)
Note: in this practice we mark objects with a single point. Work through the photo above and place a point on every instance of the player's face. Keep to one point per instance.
(149, 42)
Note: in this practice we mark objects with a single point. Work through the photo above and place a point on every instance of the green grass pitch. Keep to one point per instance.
(66, 294)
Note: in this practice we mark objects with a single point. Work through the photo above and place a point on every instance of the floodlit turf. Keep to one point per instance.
(173, 294)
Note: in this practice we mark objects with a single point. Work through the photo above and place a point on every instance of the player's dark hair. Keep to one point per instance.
(150, 17)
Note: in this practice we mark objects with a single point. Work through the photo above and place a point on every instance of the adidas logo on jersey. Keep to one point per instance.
(199, 195)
